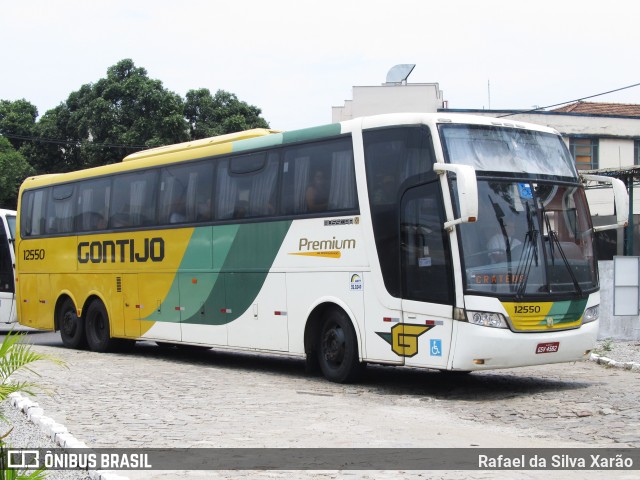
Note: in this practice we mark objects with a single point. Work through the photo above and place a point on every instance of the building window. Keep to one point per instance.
(636, 152)
(585, 152)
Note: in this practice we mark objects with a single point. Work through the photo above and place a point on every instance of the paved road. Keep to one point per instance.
(153, 397)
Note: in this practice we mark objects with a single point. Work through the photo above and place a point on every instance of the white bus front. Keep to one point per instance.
(529, 272)
(484, 245)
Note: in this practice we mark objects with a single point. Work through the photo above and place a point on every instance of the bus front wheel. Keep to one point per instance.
(71, 326)
(97, 327)
(338, 349)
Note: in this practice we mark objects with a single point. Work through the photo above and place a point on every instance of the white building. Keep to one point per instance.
(393, 96)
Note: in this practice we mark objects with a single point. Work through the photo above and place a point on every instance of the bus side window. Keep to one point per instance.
(60, 209)
(226, 192)
(134, 199)
(319, 177)
(298, 177)
(31, 213)
(93, 203)
(185, 193)
(246, 185)
(262, 193)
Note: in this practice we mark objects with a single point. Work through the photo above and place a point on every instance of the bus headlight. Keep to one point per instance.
(591, 314)
(487, 319)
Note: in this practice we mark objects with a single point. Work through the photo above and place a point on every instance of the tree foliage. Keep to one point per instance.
(14, 168)
(17, 121)
(126, 111)
(104, 121)
(222, 113)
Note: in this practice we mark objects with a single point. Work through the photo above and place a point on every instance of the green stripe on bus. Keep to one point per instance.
(243, 255)
(305, 134)
(567, 311)
(313, 133)
(243, 273)
(257, 142)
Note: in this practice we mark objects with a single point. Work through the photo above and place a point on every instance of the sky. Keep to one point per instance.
(295, 59)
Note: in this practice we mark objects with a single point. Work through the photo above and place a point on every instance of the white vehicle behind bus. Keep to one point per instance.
(8, 313)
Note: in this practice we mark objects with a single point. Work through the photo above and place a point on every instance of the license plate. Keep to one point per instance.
(551, 347)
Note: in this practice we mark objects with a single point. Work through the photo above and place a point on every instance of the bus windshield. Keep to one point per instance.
(501, 149)
(531, 239)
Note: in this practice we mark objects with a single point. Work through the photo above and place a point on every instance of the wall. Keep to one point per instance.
(616, 327)
(613, 153)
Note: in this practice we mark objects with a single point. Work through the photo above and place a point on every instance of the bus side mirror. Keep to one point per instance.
(467, 190)
(620, 198)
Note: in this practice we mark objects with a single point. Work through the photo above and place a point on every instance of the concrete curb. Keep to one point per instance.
(608, 362)
(58, 433)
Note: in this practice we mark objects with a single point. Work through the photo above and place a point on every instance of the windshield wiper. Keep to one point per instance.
(554, 240)
(528, 256)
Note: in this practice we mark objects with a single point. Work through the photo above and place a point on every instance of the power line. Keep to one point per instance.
(70, 142)
(570, 101)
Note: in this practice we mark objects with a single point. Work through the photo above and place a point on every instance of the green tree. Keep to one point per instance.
(17, 121)
(55, 148)
(103, 122)
(221, 113)
(14, 168)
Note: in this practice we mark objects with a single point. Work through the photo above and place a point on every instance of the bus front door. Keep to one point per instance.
(427, 289)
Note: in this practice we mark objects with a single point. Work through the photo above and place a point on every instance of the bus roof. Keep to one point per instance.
(200, 144)
(388, 119)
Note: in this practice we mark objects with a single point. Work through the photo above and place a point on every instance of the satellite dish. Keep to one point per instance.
(400, 73)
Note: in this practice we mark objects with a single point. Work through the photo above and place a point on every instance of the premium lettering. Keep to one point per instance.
(121, 251)
(314, 245)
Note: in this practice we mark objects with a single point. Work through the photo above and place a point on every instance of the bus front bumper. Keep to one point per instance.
(485, 348)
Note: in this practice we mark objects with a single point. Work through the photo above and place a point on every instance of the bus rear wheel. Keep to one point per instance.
(338, 349)
(97, 327)
(71, 326)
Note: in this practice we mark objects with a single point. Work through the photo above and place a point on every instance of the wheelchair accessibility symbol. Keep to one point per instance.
(435, 347)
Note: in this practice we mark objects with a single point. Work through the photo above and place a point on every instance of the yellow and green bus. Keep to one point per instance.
(441, 241)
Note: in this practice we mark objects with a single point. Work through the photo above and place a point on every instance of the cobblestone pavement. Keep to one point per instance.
(156, 397)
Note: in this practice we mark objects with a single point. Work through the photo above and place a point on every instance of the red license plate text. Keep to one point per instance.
(551, 347)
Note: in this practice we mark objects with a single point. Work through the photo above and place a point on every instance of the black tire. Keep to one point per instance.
(97, 329)
(72, 327)
(338, 349)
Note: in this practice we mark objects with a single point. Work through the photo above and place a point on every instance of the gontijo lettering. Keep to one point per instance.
(123, 250)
